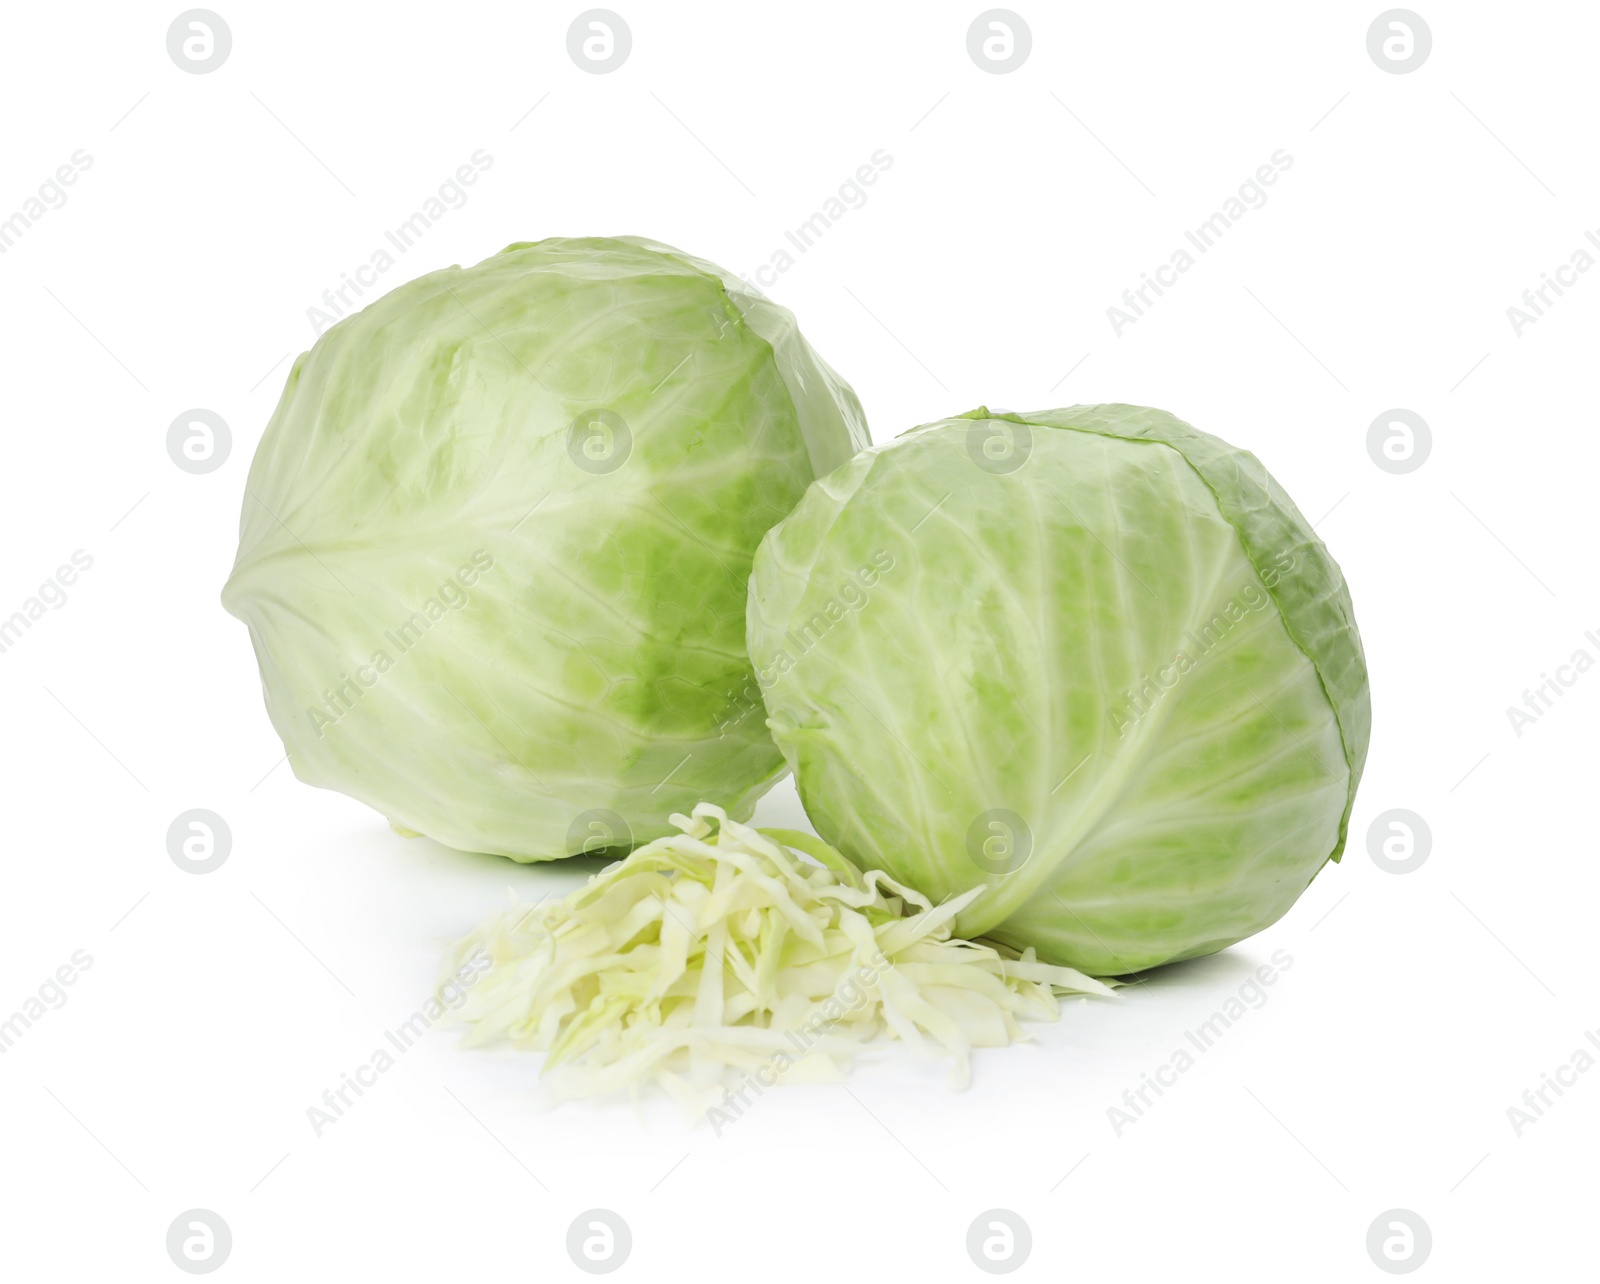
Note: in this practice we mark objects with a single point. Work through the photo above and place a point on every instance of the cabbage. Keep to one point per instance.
(496, 540)
(1090, 660)
(717, 962)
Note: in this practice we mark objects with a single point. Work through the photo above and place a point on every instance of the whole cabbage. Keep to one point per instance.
(1092, 659)
(497, 536)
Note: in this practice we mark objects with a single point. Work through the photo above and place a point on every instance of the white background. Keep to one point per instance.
(218, 1008)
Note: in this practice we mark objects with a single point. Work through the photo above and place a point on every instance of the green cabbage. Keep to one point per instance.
(1091, 660)
(496, 540)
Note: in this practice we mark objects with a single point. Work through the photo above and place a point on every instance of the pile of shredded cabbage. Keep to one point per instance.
(720, 953)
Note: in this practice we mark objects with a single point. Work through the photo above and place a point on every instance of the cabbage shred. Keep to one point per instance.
(722, 953)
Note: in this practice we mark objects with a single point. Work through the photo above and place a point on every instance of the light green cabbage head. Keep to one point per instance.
(496, 542)
(1092, 658)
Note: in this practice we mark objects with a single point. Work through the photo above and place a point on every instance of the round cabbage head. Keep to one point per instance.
(1092, 659)
(497, 537)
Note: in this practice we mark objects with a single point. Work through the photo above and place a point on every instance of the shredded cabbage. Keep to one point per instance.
(724, 952)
